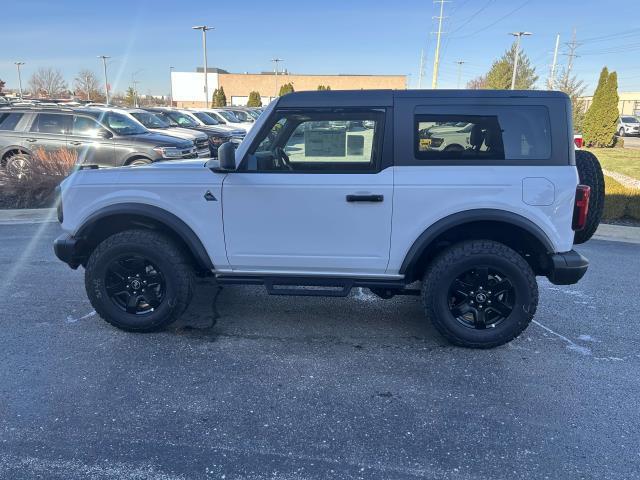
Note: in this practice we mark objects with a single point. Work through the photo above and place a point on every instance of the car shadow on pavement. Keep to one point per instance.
(359, 319)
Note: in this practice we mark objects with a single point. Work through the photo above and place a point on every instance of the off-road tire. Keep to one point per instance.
(171, 260)
(590, 173)
(442, 272)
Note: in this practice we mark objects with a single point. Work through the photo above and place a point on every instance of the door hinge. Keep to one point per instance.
(210, 197)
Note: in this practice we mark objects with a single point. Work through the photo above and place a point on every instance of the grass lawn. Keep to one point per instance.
(621, 160)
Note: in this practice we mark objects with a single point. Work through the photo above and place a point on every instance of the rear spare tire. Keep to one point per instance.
(590, 174)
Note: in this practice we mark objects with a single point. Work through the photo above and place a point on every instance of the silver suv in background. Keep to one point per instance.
(628, 125)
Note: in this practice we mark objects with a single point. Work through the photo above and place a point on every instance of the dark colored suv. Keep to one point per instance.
(98, 136)
(217, 136)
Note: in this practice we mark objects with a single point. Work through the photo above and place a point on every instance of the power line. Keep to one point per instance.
(496, 21)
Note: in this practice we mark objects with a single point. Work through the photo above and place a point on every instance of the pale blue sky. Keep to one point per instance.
(325, 37)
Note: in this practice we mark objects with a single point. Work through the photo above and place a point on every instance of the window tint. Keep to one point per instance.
(182, 119)
(8, 121)
(206, 118)
(629, 119)
(52, 123)
(149, 120)
(121, 124)
(320, 142)
(85, 127)
(511, 133)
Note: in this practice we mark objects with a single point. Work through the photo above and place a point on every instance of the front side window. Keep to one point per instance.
(86, 127)
(52, 123)
(8, 121)
(502, 133)
(321, 142)
(121, 124)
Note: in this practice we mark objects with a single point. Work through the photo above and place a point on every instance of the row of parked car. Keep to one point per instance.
(107, 136)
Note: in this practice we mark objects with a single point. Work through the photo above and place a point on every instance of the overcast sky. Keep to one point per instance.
(325, 37)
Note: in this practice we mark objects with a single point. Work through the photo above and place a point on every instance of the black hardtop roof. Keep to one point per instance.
(332, 98)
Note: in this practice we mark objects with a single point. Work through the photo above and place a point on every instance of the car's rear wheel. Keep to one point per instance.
(480, 294)
(18, 165)
(139, 280)
(139, 161)
(590, 173)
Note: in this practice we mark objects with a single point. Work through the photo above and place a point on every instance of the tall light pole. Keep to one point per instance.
(436, 58)
(518, 35)
(170, 87)
(106, 81)
(460, 63)
(204, 29)
(275, 71)
(552, 77)
(18, 65)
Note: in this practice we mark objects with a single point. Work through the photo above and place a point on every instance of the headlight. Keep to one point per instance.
(168, 152)
(217, 141)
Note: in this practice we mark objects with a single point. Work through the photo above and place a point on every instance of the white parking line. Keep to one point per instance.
(570, 344)
(70, 319)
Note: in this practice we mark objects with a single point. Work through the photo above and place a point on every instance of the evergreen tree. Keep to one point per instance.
(219, 98)
(254, 99)
(324, 87)
(500, 73)
(130, 97)
(286, 88)
(601, 119)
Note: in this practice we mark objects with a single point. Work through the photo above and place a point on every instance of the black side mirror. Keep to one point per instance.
(105, 134)
(227, 156)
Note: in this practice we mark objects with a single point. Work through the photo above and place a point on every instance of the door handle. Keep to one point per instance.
(75, 143)
(31, 140)
(365, 198)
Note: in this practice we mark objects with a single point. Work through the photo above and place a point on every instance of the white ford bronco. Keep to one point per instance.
(341, 189)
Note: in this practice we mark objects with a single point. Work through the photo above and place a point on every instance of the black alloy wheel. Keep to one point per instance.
(134, 284)
(481, 298)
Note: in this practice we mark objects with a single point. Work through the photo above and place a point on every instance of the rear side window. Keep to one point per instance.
(495, 133)
(8, 121)
(52, 123)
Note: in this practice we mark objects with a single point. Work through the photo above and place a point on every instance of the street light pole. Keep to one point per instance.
(275, 70)
(518, 35)
(170, 87)
(204, 29)
(460, 63)
(106, 81)
(18, 65)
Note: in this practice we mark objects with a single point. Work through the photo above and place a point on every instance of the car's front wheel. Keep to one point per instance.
(621, 132)
(480, 294)
(139, 280)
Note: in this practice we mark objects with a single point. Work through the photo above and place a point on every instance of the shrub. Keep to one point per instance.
(620, 201)
(285, 89)
(254, 99)
(618, 142)
(599, 125)
(34, 188)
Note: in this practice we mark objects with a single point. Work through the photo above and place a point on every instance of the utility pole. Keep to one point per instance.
(135, 93)
(573, 45)
(170, 87)
(204, 29)
(275, 70)
(18, 65)
(106, 81)
(436, 59)
(518, 35)
(460, 63)
(552, 77)
(421, 72)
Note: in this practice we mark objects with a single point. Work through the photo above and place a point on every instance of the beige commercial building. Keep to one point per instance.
(628, 103)
(188, 87)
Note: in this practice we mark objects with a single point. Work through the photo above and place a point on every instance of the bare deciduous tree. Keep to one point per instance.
(47, 82)
(86, 86)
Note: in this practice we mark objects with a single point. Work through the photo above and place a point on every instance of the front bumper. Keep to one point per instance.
(567, 268)
(68, 249)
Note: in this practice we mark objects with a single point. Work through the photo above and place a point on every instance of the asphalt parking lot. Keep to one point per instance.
(313, 388)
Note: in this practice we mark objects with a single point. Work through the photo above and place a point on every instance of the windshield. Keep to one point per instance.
(182, 119)
(150, 120)
(629, 119)
(121, 124)
(254, 113)
(206, 118)
(228, 116)
(243, 116)
(170, 121)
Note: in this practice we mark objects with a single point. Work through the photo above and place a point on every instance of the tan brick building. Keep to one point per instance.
(188, 87)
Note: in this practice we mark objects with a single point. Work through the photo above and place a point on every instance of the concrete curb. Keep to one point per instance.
(614, 233)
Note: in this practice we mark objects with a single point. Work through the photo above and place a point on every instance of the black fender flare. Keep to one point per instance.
(160, 215)
(470, 216)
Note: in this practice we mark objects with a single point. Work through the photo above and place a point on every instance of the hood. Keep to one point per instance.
(157, 140)
(178, 132)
